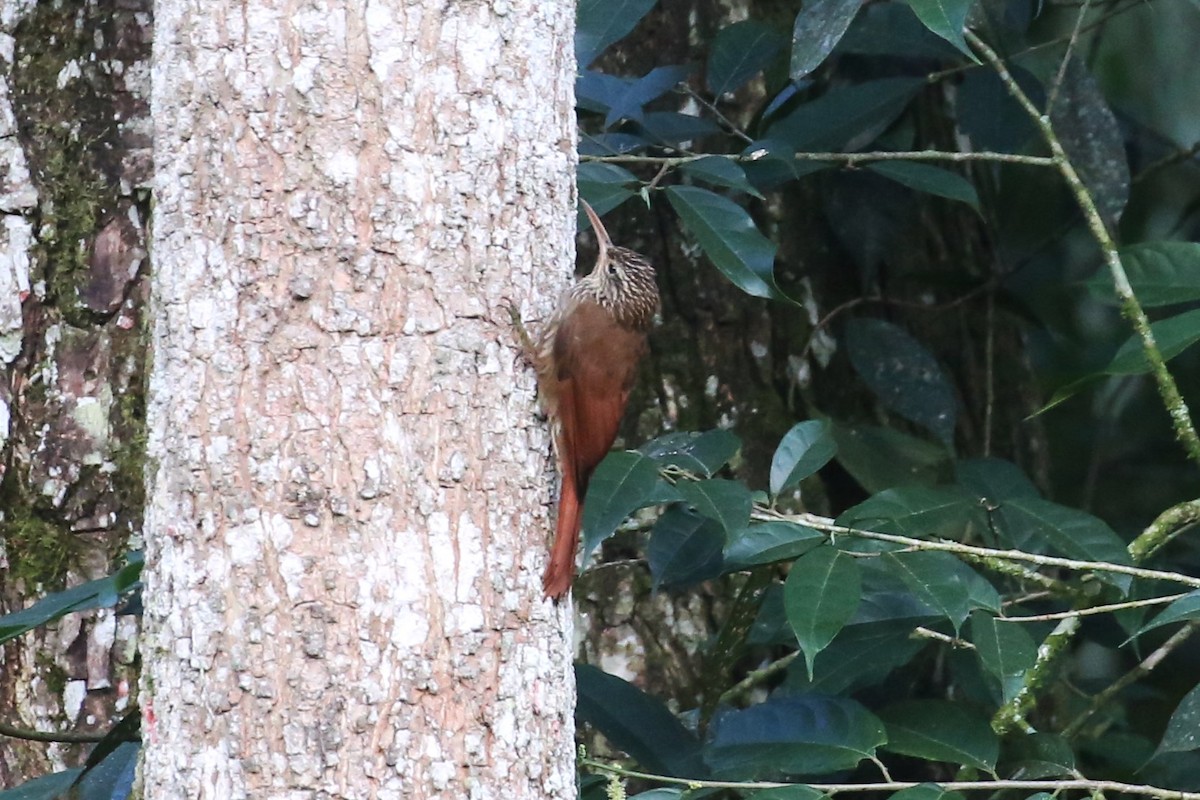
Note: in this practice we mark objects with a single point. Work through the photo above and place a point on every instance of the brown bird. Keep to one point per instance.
(586, 358)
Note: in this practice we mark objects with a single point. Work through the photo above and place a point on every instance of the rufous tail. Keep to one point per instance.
(561, 569)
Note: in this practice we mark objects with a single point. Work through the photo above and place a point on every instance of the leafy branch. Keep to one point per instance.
(826, 524)
(1177, 409)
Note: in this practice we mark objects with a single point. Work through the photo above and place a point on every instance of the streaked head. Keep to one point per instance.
(622, 280)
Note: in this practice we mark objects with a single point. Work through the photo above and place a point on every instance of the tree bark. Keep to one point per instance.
(74, 167)
(347, 509)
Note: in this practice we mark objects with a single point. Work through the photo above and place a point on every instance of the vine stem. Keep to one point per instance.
(1177, 409)
(893, 786)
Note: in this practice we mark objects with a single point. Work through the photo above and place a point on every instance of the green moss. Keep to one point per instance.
(52, 673)
(67, 133)
(129, 458)
(39, 551)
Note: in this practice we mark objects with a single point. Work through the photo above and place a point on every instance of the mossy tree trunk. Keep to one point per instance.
(76, 155)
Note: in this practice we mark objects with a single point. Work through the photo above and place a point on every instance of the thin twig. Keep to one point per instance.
(1178, 156)
(1062, 67)
(757, 677)
(64, 737)
(829, 317)
(893, 786)
(950, 72)
(1141, 670)
(826, 524)
(989, 374)
(847, 159)
(716, 112)
(1090, 610)
(927, 633)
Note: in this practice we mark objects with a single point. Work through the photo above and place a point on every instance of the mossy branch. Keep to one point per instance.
(1164, 528)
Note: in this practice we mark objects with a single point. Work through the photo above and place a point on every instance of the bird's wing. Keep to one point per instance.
(596, 364)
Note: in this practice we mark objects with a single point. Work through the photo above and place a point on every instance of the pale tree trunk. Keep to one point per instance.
(347, 506)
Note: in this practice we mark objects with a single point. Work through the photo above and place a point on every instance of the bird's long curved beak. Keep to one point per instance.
(601, 233)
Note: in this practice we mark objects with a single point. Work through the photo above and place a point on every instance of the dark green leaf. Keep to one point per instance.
(739, 52)
(926, 791)
(903, 374)
(846, 117)
(110, 778)
(1036, 757)
(623, 483)
(1161, 274)
(47, 787)
(919, 512)
(684, 548)
(811, 735)
(728, 237)
(636, 723)
(604, 187)
(771, 626)
(700, 453)
(129, 729)
(672, 127)
(638, 93)
(990, 116)
(806, 448)
(787, 793)
(100, 593)
(821, 593)
(1184, 609)
(720, 171)
(769, 542)
(599, 23)
(994, 479)
(819, 27)
(1073, 533)
(1005, 650)
(946, 18)
(726, 502)
(883, 458)
(1092, 140)
(886, 598)
(940, 730)
(1183, 729)
(940, 581)
(610, 144)
(859, 656)
(929, 179)
(598, 91)
(891, 29)
(1172, 335)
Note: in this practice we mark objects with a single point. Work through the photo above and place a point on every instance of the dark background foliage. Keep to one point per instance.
(928, 346)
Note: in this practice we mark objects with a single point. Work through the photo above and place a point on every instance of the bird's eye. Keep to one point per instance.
(612, 270)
